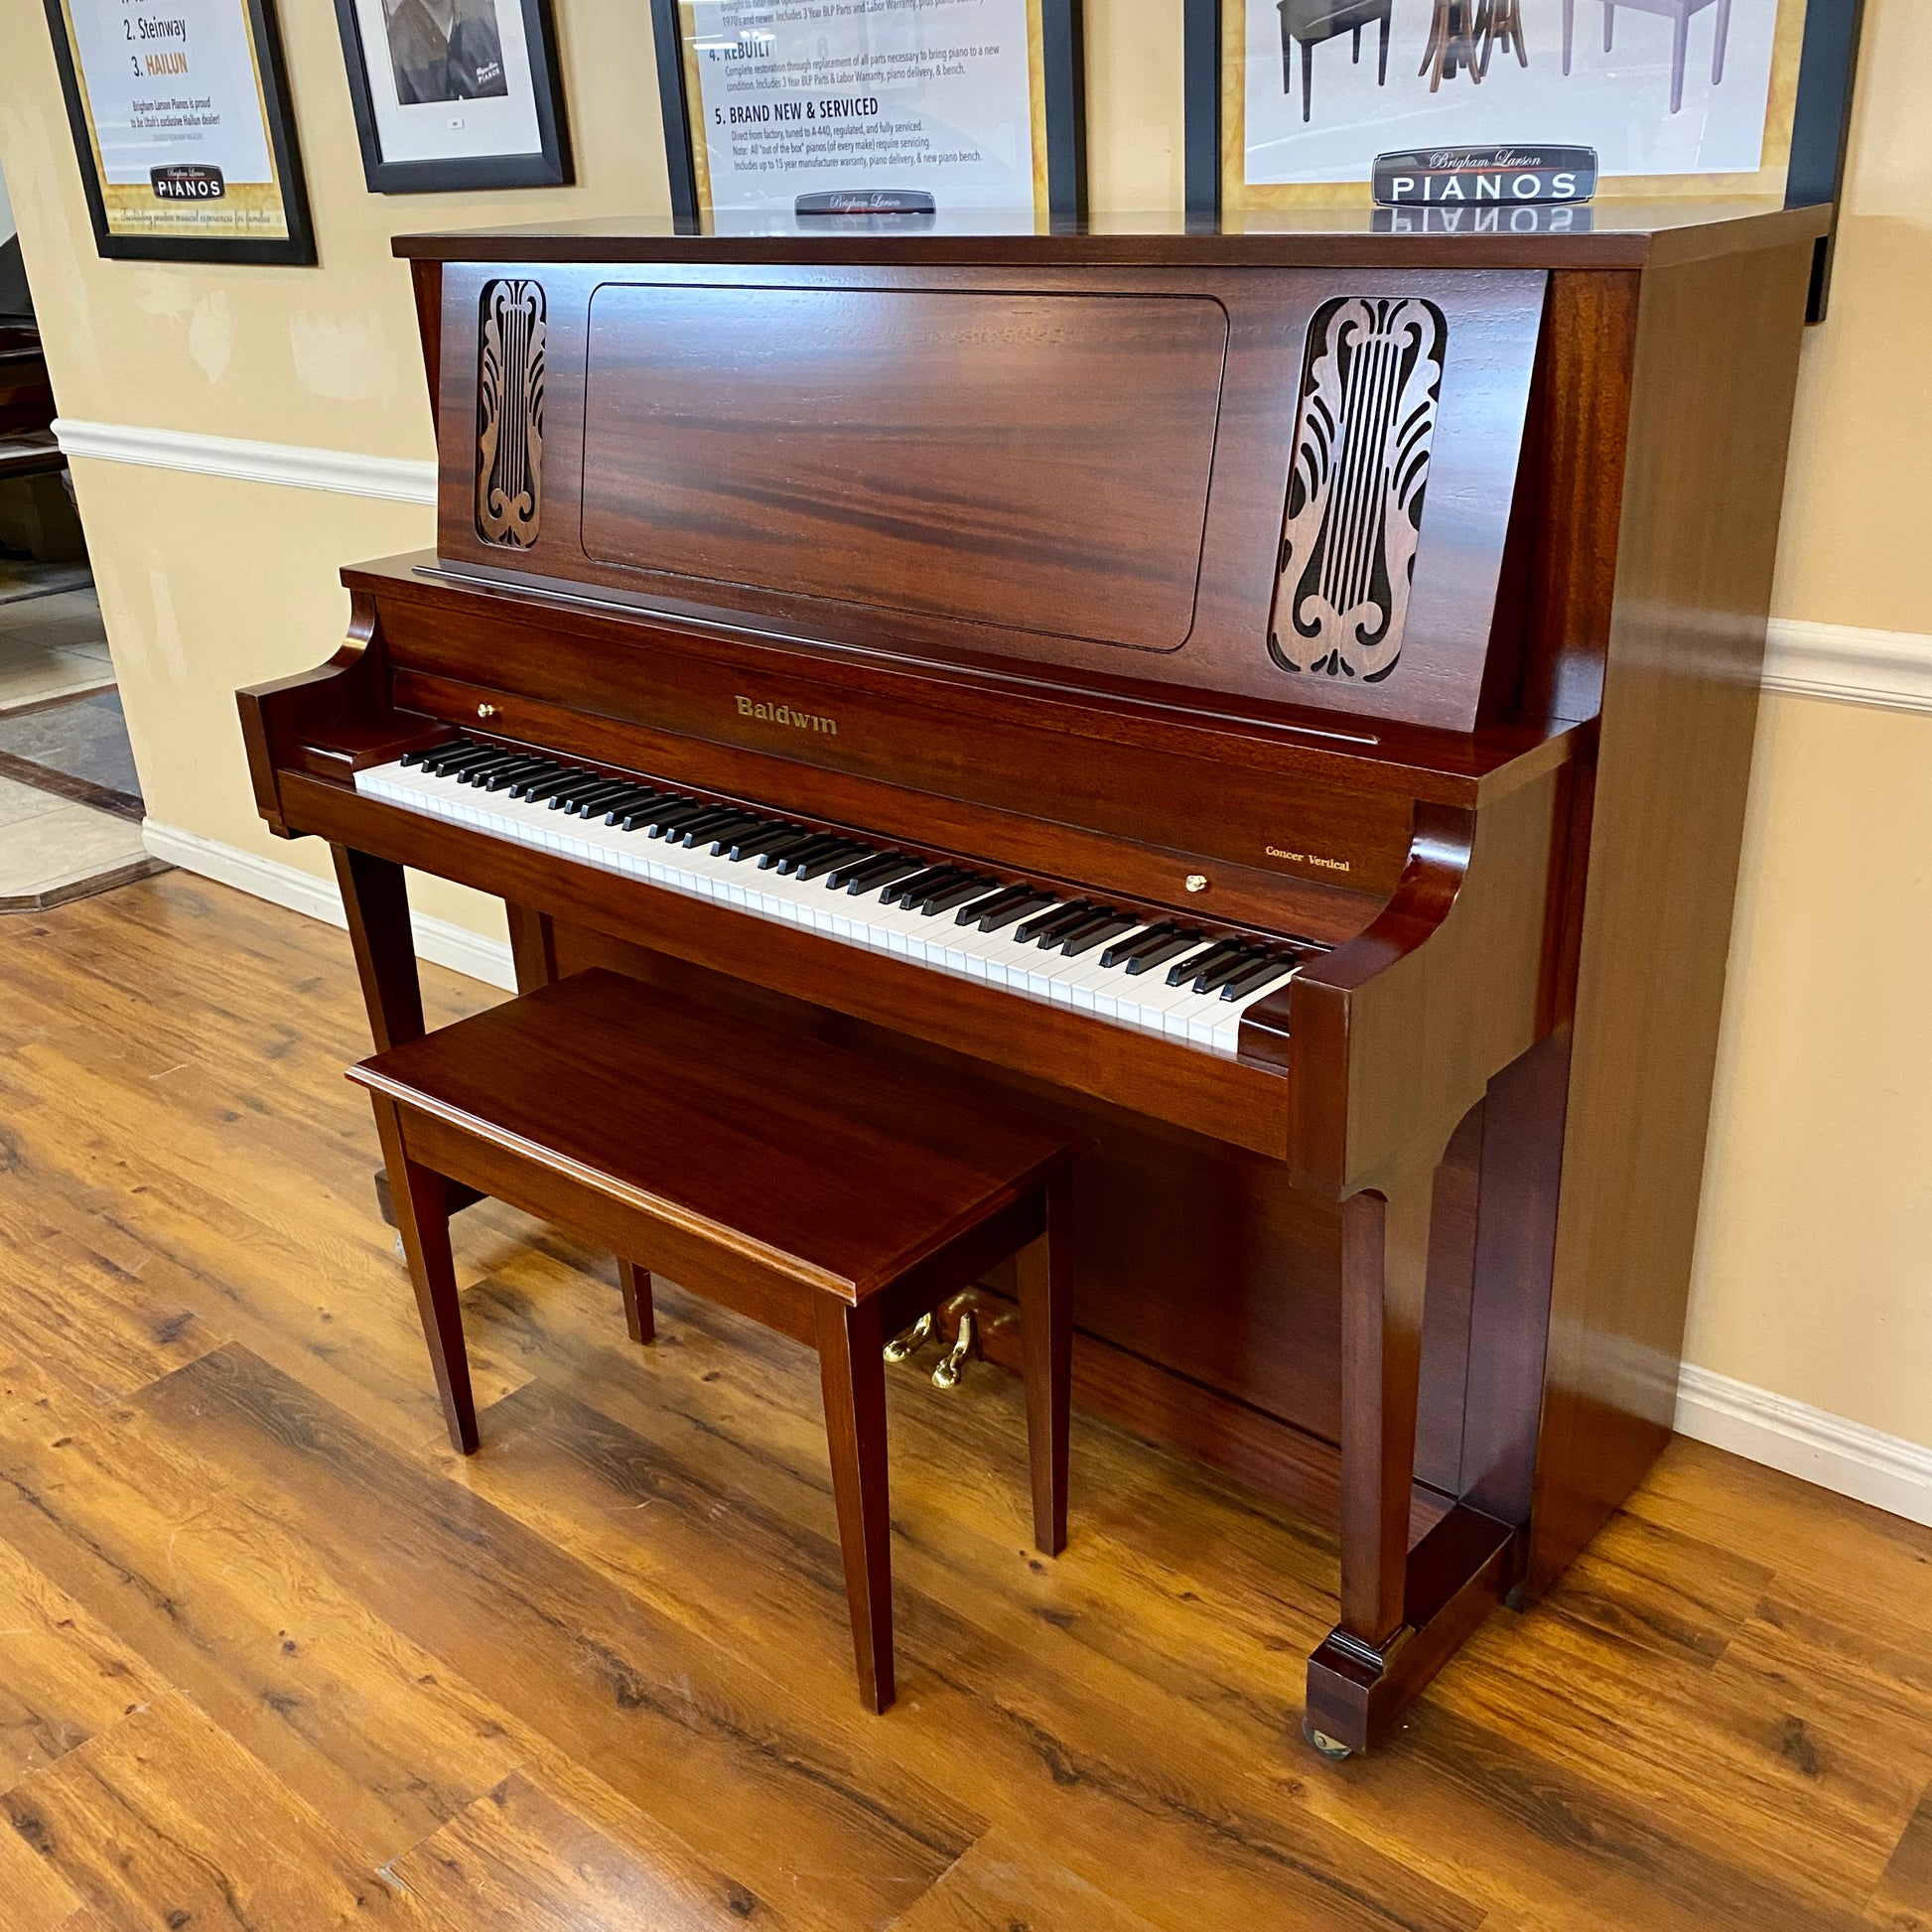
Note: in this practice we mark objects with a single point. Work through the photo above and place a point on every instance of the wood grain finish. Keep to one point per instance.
(709, 459)
(598, 1677)
(710, 1145)
(1590, 581)
(1714, 368)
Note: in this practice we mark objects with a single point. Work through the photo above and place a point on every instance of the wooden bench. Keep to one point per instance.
(793, 1181)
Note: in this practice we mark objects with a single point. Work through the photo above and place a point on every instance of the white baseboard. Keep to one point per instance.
(453, 946)
(1886, 1472)
(1888, 668)
(300, 465)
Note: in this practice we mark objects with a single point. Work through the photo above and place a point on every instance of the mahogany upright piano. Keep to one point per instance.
(1279, 700)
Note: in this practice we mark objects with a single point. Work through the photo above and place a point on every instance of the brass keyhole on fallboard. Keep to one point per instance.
(1197, 882)
(486, 711)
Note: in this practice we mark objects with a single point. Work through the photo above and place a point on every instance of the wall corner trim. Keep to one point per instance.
(441, 940)
(1888, 668)
(1813, 1444)
(296, 465)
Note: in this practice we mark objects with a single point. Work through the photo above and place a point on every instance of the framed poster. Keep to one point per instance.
(778, 109)
(1289, 101)
(454, 94)
(182, 128)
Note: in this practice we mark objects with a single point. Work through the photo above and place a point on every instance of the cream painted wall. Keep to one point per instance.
(1814, 1264)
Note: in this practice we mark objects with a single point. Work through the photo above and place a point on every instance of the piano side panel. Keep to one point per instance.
(1715, 370)
(1117, 527)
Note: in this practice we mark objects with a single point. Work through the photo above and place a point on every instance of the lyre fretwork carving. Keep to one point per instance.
(1362, 438)
(509, 414)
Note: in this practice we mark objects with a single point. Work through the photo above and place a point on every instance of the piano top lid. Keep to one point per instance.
(1617, 235)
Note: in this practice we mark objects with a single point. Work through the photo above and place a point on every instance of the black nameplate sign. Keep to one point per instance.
(1484, 177)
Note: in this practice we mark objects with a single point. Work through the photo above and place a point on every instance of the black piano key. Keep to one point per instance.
(595, 799)
(775, 831)
(876, 873)
(479, 768)
(577, 783)
(457, 758)
(1196, 964)
(543, 784)
(1264, 972)
(689, 831)
(634, 801)
(506, 776)
(1015, 896)
(1136, 943)
(849, 851)
(1087, 938)
(645, 815)
(794, 841)
(903, 891)
(720, 835)
(795, 856)
(1179, 939)
(424, 752)
(975, 886)
(991, 914)
(680, 811)
(1095, 915)
(1217, 975)
(1046, 926)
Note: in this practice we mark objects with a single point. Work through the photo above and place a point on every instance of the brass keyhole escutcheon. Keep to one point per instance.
(486, 711)
(1197, 882)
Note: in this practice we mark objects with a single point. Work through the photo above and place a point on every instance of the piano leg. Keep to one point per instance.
(1403, 1611)
(375, 902)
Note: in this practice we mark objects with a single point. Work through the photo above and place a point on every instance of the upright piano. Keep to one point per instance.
(1278, 698)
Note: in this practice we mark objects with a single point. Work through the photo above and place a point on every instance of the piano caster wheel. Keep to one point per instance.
(402, 1253)
(952, 1365)
(1329, 1747)
(908, 1341)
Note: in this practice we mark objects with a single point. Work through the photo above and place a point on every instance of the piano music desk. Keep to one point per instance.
(793, 1182)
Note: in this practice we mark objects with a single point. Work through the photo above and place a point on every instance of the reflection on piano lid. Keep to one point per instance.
(1159, 975)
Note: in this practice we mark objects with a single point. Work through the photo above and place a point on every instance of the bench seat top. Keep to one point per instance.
(837, 1172)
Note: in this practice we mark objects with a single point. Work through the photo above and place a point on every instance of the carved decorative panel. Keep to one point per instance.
(1362, 440)
(509, 414)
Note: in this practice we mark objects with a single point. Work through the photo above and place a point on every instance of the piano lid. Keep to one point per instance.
(1600, 235)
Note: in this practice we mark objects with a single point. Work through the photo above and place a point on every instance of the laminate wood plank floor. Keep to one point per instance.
(271, 1656)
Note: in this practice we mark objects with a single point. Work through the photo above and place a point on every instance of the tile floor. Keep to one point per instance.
(59, 719)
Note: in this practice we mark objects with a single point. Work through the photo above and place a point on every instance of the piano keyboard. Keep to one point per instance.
(1161, 977)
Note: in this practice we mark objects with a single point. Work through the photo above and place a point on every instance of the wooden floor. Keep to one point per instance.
(271, 1657)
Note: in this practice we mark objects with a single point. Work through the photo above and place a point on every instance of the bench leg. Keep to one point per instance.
(638, 1315)
(422, 1222)
(1046, 1350)
(852, 1367)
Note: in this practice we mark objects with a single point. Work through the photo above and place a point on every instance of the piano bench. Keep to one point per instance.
(792, 1181)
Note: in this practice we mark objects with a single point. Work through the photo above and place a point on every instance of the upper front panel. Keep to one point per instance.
(978, 456)
(1290, 486)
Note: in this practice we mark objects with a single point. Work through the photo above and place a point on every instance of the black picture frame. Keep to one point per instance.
(296, 249)
(552, 166)
(1821, 119)
(1063, 81)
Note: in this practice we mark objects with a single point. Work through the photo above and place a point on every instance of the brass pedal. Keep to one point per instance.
(908, 1341)
(952, 1364)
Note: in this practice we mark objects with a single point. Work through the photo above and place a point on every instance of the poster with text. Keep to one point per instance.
(913, 104)
(1676, 97)
(177, 118)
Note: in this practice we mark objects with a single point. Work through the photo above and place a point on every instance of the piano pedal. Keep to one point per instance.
(952, 1365)
(908, 1341)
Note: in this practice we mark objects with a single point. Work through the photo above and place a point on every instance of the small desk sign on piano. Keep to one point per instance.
(1474, 176)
